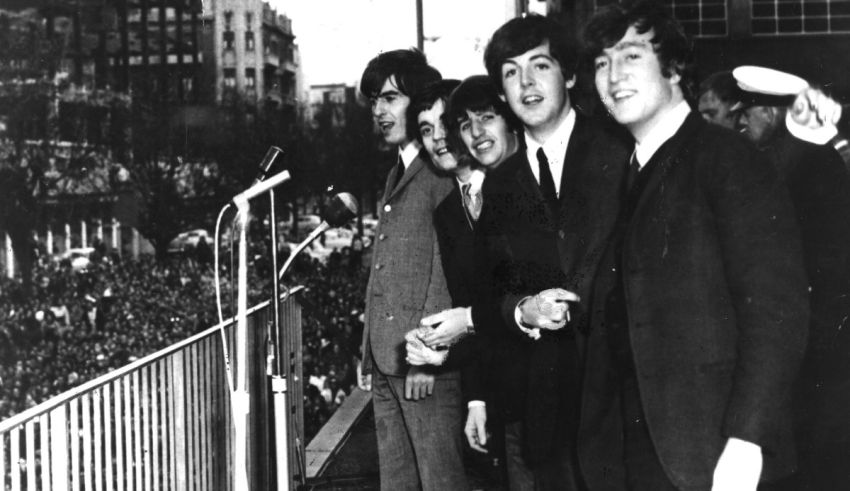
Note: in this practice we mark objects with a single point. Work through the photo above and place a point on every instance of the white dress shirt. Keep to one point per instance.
(555, 149)
(409, 152)
(663, 131)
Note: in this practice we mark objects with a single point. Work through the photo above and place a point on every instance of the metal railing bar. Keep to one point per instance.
(60, 399)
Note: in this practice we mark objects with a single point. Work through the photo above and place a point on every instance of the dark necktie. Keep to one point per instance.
(547, 183)
(399, 172)
(634, 168)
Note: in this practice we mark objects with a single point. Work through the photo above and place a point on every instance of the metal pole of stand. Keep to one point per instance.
(275, 369)
(274, 365)
(241, 404)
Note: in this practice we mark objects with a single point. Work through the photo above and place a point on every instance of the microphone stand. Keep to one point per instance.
(240, 399)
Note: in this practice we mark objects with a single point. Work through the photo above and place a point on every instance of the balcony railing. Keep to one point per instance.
(160, 423)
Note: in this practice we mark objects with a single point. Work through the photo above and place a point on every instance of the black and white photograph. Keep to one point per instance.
(425, 245)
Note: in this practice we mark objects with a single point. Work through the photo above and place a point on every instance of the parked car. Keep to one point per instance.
(315, 250)
(189, 240)
(308, 222)
(78, 257)
(338, 238)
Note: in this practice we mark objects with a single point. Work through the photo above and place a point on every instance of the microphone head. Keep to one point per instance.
(268, 160)
(342, 208)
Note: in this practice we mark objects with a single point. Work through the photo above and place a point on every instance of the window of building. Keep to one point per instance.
(743, 18)
(250, 78)
(800, 16)
(188, 84)
(230, 78)
(228, 35)
(249, 31)
(700, 18)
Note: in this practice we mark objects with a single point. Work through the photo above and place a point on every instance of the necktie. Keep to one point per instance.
(547, 183)
(399, 171)
(471, 201)
(634, 168)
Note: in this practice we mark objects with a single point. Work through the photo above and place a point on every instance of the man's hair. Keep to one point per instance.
(410, 67)
(477, 93)
(522, 34)
(722, 84)
(425, 99)
(610, 23)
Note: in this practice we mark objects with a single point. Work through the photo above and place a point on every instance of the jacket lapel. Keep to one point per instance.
(574, 158)
(667, 156)
(417, 165)
(530, 196)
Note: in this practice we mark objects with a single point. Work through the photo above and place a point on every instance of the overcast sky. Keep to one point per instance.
(338, 37)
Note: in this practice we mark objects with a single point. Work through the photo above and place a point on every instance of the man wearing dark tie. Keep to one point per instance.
(533, 240)
(418, 411)
(699, 305)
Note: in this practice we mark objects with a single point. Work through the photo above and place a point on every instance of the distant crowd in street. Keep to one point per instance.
(77, 325)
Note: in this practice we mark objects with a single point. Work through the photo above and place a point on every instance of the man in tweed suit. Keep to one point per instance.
(418, 410)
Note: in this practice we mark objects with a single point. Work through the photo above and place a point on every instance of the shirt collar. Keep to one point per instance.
(556, 146)
(476, 179)
(663, 131)
(409, 153)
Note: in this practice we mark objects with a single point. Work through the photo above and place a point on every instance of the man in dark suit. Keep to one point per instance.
(454, 221)
(533, 241)
(699, 307)
(820, 190)
(478, 121)
(418, 411)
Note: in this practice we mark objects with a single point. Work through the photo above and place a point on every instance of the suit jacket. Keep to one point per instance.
(474, 355)
(406, 280)
(717, 306)
(523, 247)
(820, 190)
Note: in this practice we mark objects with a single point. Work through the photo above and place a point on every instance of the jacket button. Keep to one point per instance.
(378, 266)
(562, 234)
(387, 208)
(382, 237)
(390, 317)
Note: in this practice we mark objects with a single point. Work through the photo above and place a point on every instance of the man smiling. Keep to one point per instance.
(486, 126)
(533, 239)
(417, 411)
(699, 311)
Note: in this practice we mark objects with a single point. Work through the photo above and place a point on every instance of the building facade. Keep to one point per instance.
(252, 52)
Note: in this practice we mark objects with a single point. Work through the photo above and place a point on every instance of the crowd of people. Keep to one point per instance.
(78, 324)
(633, 299)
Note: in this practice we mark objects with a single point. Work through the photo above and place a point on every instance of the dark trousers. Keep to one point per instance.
(420, 442)
(558, 473)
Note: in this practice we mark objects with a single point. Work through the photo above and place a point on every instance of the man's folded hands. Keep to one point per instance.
(418, 353)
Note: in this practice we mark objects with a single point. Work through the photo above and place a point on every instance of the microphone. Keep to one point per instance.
(261, 187)
(265, 166)
(342, 208)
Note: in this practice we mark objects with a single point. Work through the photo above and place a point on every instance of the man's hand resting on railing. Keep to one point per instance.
(364, 381)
